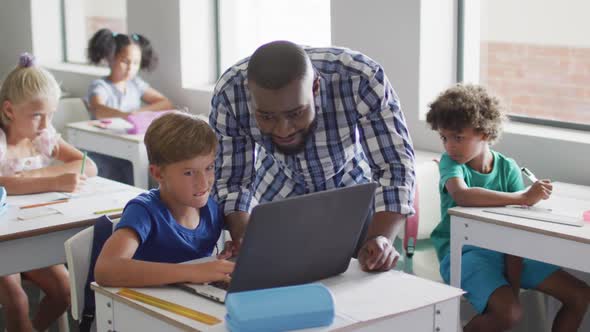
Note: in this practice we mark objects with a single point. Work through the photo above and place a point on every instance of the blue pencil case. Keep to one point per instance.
(280, 309)
(3, 205)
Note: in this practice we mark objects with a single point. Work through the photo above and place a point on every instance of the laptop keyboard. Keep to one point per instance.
(220, 284)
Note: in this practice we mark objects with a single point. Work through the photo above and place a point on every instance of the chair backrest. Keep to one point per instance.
(69, 110)
(427, 179)
(78, 252)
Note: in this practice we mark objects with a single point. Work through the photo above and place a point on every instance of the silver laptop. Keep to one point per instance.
(297, 240)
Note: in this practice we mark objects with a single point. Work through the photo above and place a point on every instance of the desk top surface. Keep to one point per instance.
(563, 193)
(117, 131)
(359, 297)
(98, 194)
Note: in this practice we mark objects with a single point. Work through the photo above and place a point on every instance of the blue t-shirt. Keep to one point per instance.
(162, 239)
(505, 177)
(127, 101)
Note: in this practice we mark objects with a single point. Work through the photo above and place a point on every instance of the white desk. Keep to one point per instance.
(39, 242)
(114, 143)
(548, 242)
(364, 302)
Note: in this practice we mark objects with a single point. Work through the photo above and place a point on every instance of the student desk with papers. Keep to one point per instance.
(33, 238)
(363, 302)
(112, 141)
(562, 245)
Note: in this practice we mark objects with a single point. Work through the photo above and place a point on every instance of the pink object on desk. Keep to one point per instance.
(587, 215)
(106, 121)
(142, 120)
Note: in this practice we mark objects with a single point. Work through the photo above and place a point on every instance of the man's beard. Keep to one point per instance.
(295, 149)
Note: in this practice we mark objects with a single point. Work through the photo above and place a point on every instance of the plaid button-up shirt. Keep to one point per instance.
(360, 136)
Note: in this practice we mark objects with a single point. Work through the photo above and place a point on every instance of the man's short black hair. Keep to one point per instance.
(276, 64)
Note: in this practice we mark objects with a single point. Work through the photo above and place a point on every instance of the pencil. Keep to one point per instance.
(83, 163)
(43, 204)
(108, 211)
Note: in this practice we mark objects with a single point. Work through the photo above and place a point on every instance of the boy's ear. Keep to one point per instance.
(156, 172)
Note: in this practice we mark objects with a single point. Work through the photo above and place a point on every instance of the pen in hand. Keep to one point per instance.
(529, 174)
(83, 163)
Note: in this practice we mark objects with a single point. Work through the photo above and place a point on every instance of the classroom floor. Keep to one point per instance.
(33, 293)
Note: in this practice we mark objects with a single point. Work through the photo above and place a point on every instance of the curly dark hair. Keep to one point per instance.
(467, 106)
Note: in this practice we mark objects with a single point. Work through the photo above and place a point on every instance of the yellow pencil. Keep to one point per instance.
(109, 211)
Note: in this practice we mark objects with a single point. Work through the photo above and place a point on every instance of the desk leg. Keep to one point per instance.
(105, 315)
(459, 235)
(446, 316)
(140, 167)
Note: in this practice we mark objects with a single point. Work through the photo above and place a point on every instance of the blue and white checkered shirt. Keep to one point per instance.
(361, 135)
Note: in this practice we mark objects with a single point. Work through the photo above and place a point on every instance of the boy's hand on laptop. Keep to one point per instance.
(231, 249)
(377, 254)
(539, 190)
(217, 270)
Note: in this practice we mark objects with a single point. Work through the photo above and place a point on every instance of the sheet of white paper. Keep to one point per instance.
(37, 212)
(88, 205)
(565, 206)
(95, 186)
(375, 295)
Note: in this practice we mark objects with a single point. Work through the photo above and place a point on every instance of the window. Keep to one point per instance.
(217, 34)
(246, 24)
(82, 18)
(534, 54)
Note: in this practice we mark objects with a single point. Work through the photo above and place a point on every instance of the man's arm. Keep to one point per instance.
(388, 147)
(234, 163)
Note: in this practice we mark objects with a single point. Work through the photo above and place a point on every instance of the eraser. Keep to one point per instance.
(106, 121)
(587, 215)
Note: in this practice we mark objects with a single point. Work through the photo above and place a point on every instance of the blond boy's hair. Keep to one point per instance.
(24, 84)
(467, 106)
(178, 136)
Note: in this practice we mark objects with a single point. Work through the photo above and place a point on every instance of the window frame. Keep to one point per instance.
(464, 9)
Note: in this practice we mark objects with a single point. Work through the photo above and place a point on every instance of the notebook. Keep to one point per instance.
(537, 213)
(323, 232)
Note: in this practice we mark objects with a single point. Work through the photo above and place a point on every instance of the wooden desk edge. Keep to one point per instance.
(51, 229)
(491, 220)
(145, 308)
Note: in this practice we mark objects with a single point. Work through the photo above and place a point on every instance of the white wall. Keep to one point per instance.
(105, 8)
(16, 32)
(548, 22)
(413, 40)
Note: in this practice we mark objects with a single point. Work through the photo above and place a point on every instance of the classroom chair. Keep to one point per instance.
(69, 110)
(78, 252)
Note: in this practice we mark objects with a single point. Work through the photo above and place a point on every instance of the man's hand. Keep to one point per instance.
(231, 249)
(377, 254)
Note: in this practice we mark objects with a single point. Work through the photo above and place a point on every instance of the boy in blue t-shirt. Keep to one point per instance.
(176, 222)
(469, 120)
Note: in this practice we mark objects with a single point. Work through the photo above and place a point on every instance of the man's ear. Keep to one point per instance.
(316, 86)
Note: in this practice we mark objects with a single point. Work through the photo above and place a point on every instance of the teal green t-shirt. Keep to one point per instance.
(505, 177)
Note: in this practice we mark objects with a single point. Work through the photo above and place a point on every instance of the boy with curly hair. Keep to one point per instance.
(469, 120)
